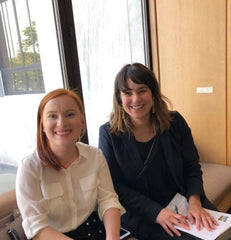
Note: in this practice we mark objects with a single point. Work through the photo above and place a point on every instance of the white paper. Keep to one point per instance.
(223, 219)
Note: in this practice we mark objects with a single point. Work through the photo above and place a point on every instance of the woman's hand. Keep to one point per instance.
(167, 219)
(197, 215)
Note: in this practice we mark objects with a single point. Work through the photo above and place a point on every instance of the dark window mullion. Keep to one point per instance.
(69, 44)
(20, 43)
(146, 32)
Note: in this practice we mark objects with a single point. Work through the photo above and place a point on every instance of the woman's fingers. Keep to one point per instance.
(199, 216)
(166, 228)
(209, 222)
(169, 220)
(181, 221)
(170, 229)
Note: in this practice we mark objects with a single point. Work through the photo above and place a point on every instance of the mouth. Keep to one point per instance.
(137, 107)
(63, 132)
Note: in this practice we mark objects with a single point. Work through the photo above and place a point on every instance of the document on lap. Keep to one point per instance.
(180, 203)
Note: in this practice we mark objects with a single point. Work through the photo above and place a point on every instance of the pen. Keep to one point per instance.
(176, 209)
(177, 212)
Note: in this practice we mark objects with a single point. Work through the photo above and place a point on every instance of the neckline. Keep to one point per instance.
(149, 141)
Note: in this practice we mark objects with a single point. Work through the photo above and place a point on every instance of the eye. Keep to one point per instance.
(143, 90)
(126, 92)
(70, 114)
(52, 116)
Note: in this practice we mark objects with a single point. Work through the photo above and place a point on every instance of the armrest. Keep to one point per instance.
(217, 184)
(7, 203)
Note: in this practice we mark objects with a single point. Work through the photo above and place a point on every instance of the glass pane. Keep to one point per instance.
(29, 63)
(109, 34)
(20, 56)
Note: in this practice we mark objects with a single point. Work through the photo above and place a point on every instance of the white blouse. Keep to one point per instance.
(64, 199)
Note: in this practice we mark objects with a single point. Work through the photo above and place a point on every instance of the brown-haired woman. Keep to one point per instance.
(61, 185)
(152, 156)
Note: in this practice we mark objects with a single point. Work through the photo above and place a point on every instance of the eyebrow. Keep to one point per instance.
(50, 112)
(68, 110)
(129, 89)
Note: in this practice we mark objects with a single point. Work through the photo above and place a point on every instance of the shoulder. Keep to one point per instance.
(179, 127)
(91, 158)
(31, 160)
(175, 115)
(105, 133)
(177, 120)
(31, 164)
(88, 151)
(105, 127)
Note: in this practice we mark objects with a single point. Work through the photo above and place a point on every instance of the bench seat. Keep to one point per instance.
(217, 184)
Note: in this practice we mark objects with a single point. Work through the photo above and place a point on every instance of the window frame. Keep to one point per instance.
(64, 21)
(8, 73)
(68, 44)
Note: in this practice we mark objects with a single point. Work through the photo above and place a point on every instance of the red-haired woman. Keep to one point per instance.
(60, 186)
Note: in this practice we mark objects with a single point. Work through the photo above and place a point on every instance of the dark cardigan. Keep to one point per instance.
(125, 164)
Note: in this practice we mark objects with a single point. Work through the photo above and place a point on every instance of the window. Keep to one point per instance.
(20, 64)
(30, 66)
(109, 34)
(75, 44)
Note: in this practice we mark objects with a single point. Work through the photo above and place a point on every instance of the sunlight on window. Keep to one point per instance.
(109, 34)
(29, 67)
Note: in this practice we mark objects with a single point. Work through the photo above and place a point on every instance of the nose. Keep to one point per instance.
(135, 97)
(61, 121)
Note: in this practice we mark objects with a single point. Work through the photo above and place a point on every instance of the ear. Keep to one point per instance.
(83, 124)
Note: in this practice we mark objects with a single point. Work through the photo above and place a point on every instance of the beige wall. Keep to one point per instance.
(189, 49)
(229, 82)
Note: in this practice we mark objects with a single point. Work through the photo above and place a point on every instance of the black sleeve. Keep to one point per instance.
(191, 168)
(129, 197)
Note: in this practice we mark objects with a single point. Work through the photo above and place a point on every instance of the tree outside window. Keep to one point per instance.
(20, 64)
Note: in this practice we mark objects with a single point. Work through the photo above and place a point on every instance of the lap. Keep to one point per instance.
(184, 236)
(155, 231)
(91, 229)
(162, 235)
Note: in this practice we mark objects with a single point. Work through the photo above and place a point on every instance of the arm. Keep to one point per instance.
(192, 173)
(129, 196)
(111, 219)
(109, 207)
(50, 233)
(188, 172)
(34, 212)
(193, 178)
(28, 191)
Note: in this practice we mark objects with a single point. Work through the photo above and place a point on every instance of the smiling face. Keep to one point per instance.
(62, 122)
(137, 101)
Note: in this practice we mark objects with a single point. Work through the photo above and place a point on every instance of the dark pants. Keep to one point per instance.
(91, 229)
(158, 233)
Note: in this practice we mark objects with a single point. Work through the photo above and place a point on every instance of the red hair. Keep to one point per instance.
(45, 153)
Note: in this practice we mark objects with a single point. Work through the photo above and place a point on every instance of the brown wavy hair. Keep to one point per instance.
(45, 153)
(139, 74)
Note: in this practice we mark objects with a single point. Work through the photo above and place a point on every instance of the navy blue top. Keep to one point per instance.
(175, 169)
(162, 187)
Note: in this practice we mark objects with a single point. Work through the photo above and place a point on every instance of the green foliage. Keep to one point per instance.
(31, 37)
(31, 80)
(29, 58)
